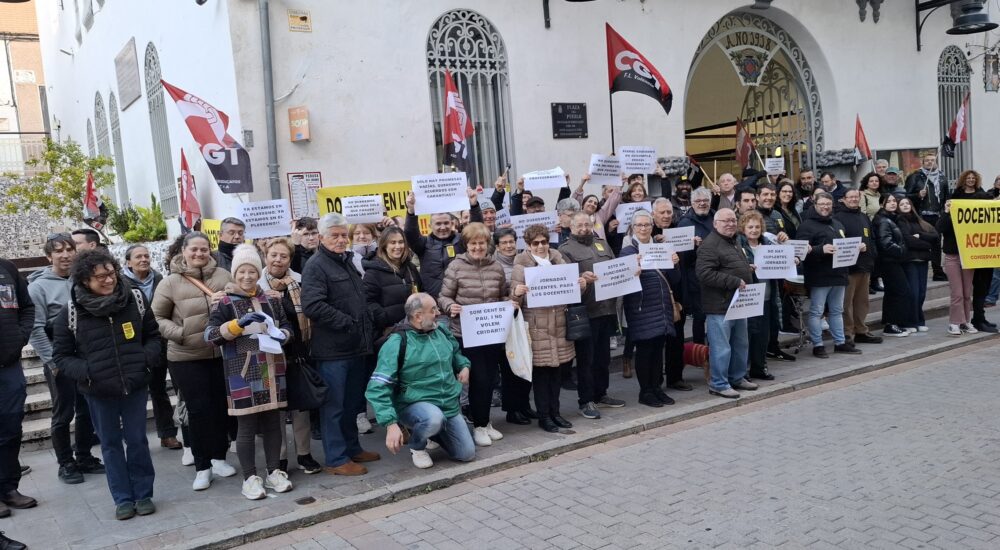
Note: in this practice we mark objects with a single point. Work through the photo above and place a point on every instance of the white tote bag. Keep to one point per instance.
(519, 347)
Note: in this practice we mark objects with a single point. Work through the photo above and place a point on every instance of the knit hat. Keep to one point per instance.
(246, 254)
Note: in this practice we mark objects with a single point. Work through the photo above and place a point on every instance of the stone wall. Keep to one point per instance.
(22, 235)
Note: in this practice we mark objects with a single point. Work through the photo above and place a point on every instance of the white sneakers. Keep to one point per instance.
(968, 329)
(364, 426)
(421, 459)
(278, 480)
(481, 437)
(493, 433)
(923, 328)
(187, 459)
(431, 445)
(222, 468)
(253, 488)
(202, 479)
(954, 330)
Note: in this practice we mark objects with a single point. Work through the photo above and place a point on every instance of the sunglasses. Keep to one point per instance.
(58, 236)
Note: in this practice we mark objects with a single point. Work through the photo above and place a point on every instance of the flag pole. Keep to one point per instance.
(611, 106)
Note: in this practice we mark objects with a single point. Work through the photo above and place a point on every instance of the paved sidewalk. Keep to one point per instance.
(82, 516)
(901, 458)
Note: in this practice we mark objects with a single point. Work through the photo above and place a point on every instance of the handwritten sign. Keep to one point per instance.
(616, 277)
(365, 209)
(774, 261)
(637, 159)
(485, 324)
(681, 237)
(847, 252)
(545, 179)
(437, 193)
(774, 166)
(802, 248)
(524, 221)
(266, 218)
(503, 217)
(746, 303)
(656, 255)
(605, 170)
(625, 211)
(555, 285)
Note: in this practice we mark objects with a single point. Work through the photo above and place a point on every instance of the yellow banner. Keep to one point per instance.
(212, 228)
(977, 230)
(393, 197)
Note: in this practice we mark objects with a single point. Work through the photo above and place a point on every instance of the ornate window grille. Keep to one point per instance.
(116, 141)
(469, 46)
(91, 149)
(161, 135)
(954, 75)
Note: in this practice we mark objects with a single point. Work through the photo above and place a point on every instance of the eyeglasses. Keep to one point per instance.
(728, 221)
(642, 225)
(701, 200)
(109, 276)
(58, 236)
(539, 243)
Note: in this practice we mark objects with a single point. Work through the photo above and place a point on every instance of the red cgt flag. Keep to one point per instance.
(190, 208)
(744, 145)
(958, 132)
(94, 212)
(457, 126)
(862, 152)
(630, 71)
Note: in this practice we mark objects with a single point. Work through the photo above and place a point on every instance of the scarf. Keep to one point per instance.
(933, 201)
(542, 261)
(362, 252)
(294, 290)
(102, 306)
(145, 286)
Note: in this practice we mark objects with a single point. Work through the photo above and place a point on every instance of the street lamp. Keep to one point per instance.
(967, 16)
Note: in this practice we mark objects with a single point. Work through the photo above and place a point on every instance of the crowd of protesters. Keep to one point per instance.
(372, 313)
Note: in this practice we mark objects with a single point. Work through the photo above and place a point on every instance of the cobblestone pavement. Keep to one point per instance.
(900, 458)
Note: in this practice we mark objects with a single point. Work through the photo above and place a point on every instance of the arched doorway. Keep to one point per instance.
(749, 68)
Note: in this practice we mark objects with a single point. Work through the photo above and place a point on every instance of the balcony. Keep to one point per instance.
(17, 149)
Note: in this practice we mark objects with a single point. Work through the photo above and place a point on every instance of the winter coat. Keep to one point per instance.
(791, 220)
(333, 298)
(920, 248)
(586, 253)
(301, 256)
(182, 309)
(818, 265)
(255, 380)
(386, 290)
(49, 293)
(721, 266)
(689, 258)
(435, 254)
(772, 289)
(17, 314)
(870, 200)
(947, 231)
(650, 313)
(773, 222)
(469, 282)
(888, 238)
(428, 375)
(112, 356)
(546, 325)
(224, 255)
(933, 201)
(857, 224)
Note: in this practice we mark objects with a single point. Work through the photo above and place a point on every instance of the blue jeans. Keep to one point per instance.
(916, 277)
(13, 392)
(728, 350)
(129, 469)
(826, 297)
(345, 380)
(994, 293)
(426, 421)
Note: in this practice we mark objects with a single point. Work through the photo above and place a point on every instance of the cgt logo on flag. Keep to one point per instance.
(457, 126)
(630, 71)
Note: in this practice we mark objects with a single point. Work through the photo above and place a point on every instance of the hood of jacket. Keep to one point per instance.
(812, 214)
(179, 266)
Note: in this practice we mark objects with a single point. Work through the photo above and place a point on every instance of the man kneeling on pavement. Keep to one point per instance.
(418, 387)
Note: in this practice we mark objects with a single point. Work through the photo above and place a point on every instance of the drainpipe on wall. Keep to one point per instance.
(265, 55)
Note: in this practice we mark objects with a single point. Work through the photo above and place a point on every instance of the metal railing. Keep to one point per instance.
(17, 149)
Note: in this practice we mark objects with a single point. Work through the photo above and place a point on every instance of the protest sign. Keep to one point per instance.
(302, 187)
(847, 252)
(746, 303)
(393, 195)
(503, 217)
(616, 277)
(545, 179)
(625, 210)
(774, 166)
(211, 229)
(774, 261)
(363, 209)
(524, 221)
(266, 218)
(802, 248)
(637, 159)
(977, 232)
(485, 324)
(656, 255)
(438, 193)
(681, 237)
(554, 285)
(604, 170)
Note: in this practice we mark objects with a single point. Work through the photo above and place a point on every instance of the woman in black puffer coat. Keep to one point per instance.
(896, 311)
(922, 243)
(390, 278)
(107, 340)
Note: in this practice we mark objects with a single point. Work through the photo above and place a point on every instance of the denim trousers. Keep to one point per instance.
(916, 278)
(831, 298)
(129, 468)
(426, 421)
(728, 349)
(13, 392)
(994, 292)
(345, 380)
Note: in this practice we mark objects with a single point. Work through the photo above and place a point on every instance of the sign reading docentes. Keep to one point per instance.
(554, 285)
(977, 231)
(485, 324)
(393, 195)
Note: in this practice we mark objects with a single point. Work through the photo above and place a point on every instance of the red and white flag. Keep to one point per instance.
(226, 158)
(457, 127)
(862, 152)
(188, 193)
(630, 71)
(94, 212)
(958, 132)
(744, 145)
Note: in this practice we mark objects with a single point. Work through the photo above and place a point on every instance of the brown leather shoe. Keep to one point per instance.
(366, 456)
(170, 443)
(347, 469)
(626, 367)
(15, 499)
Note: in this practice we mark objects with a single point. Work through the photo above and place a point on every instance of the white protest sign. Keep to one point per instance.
(774, 261)
(438, 193)
(637, 159)
(484, 199)
(681, 237)
(625, 211)
(363, 209)
(746, 303)
(554, 285)
(802, 248)
(545, 179)
(656, 255)
(616, 277)
(604, 170)
(847, 252)
(523, 221)
(485, 324)
(266, 218)
(774, 166)
(503, 217)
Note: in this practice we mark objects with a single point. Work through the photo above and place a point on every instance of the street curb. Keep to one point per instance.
(441, 479)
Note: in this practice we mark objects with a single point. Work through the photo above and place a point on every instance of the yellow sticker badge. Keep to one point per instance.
(866, 231)
(842, 233)
(599, 247)
(128, 330)
(451, 250)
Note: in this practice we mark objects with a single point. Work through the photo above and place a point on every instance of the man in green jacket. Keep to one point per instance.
(421, 389)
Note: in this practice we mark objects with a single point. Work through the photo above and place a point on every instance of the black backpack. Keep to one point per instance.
(401, 330)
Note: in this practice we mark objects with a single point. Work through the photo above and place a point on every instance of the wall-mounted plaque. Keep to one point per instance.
(569, 120)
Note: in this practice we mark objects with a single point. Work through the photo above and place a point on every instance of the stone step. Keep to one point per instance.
(36, 432)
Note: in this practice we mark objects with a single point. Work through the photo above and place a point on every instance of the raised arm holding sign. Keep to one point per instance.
(364, 209)
(604, 170)
(545, 179)
(266, 218)
(438, 193)
(637, 159)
